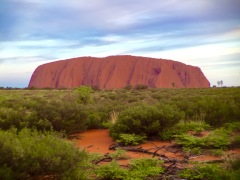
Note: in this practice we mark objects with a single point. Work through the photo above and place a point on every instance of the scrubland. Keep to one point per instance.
(35, 125)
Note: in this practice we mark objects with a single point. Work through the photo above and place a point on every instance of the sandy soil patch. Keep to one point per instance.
(98, 141)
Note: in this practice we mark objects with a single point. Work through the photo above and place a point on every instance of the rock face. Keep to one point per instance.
(115, 72)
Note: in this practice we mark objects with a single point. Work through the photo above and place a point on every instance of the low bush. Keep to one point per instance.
(6, 172)
(84, 94)
(196, 126)
(145, 120)
(146, 167)
(220, 110)
(94, 121)
(236, 140)
(230, 171)
(43, 114)
(217, 152)
(141, 86)
(32, 153)
(206, 171)
(192, 151)
(128, 87)
(183, 127)
(118, 154)
(217, 139)
(139, 169)
(110, 171)
(189, 141)
(231, 127)
(131, 139)
(234, 163)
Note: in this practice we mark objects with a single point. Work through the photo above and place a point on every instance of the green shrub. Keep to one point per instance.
(236, 140)
(184, 127)
(6, 172)
(131, 139)
(189, 141)
(145, 120)
(232, 170)
(233, 126)
(194, 150)
(64, 116)
(10, 118)
(139, 169)
(128, 87)
(234, 163)
(118, 154)
(32, 153)
(94, 121)
(206, 171)
(217, 152)
(106, 124)
(218, 139)
(212, 172)
(141, 86)
(168, 134)
(110, 171)
(142, 168)
(139, 120)
(196, 126)
(220, 110)
(84, 94)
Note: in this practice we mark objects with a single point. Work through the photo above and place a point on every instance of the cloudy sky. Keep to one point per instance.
(204, 33)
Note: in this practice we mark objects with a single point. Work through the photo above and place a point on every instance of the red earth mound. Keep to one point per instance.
(115, 72)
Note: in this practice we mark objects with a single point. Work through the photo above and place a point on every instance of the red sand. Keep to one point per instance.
(98, 141)
(95, 141)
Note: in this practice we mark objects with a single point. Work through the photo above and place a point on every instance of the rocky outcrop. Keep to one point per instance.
(117, 72)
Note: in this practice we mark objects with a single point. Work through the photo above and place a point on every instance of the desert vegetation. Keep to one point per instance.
(35, 125)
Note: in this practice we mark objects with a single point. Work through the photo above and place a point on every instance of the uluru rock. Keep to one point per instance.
(117, 72)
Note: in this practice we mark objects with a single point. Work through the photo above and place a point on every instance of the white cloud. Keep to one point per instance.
(33, 47)
(112, 38)
(41, 42)
(203, 51)
(16, 72)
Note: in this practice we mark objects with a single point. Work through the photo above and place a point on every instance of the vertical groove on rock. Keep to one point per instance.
(132, 71)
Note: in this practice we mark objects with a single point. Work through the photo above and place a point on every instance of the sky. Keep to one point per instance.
(203, 33)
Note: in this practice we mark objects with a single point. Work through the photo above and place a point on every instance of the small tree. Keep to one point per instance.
(220, 83)
(141, 86)
(128, 86)
(84, 94)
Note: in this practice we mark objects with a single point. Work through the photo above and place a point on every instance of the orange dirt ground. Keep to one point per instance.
(98, 141)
